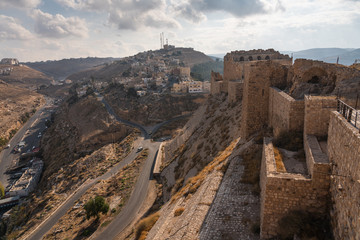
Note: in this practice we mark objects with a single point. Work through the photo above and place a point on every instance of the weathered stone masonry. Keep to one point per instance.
(344, 154)
(285, 192)
(235, 65)
(285, 113)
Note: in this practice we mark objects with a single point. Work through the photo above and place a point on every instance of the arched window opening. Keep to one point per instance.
(267, 58)
(241, 59)
(314, 79)
(250, 58)
(258, 58)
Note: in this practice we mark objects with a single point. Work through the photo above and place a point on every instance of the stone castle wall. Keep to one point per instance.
(282, 193)
(285, 113)
(235, 91)
(317, 114)
(217, 83)
(259, 77)
(344, 154)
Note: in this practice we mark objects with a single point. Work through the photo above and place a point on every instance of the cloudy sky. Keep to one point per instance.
(33, 30)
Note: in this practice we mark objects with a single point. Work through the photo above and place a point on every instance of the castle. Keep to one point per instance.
(327, 181)
(9, 61)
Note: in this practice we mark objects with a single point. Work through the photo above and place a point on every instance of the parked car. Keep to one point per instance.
(139, 149)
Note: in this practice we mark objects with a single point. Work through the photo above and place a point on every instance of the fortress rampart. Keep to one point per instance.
(235, 65)
(282, 193)
(330, 181)
(285, 113)
(344, 154)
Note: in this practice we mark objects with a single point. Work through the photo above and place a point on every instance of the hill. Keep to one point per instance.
(151, 60)
(347, 58)
(202, 71)
(24, 76)
(15, 102)
(320, 53)
(62, 68)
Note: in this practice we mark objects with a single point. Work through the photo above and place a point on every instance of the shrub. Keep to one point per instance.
(2, 191)
(279, 161)
(145, 226)
(95, 206)
(179, 211)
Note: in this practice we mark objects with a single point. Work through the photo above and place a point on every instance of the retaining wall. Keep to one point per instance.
(285, 113)
(282, 193)
(317, 114)
(344, 154)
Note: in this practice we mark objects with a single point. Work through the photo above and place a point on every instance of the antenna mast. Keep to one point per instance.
(162, 42)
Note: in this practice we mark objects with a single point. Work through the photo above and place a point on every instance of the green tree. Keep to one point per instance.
(95, 206)
(2, 190)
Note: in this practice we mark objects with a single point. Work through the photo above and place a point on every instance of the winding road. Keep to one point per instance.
(137, 197)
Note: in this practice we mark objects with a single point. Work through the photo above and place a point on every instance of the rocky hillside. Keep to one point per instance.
(214, 127)
(82, 143)
(193, 168)
(65, 67)
(78, 129)
(16, 106)
(150, 109)
(24, 76)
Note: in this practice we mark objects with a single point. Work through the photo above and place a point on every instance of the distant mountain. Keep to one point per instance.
(217, 56)
(65, 67)
(320, 53)
(346, 56)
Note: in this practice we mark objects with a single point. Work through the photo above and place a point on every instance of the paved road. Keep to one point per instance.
(46, 225)
(137, 197)
(112, 113)
(33, 126)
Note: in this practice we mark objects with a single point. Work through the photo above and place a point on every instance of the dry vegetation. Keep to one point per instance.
(56, 188)
(149, 110)
(145, 226)
(217, 128)
(116, 191)
(194, 183)
(24, 76)
(16, 107)
(280, 167)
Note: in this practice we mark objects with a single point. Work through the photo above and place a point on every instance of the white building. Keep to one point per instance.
(195, 87)
(9, 61)
(28, 180)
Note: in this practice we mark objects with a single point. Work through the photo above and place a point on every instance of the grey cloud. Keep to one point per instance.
(194, 10)
(19, 3)
(128, 14)
(57, 26)
(11, 29)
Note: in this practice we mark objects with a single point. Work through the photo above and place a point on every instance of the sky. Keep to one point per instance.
(40, 30)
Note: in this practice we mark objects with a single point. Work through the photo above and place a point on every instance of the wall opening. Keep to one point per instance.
(267, 58)
(241, 59)
(258, 58)
(314, 79)
(250, 58)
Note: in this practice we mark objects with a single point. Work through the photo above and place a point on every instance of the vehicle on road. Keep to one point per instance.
(139, 149)
(7, 146)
